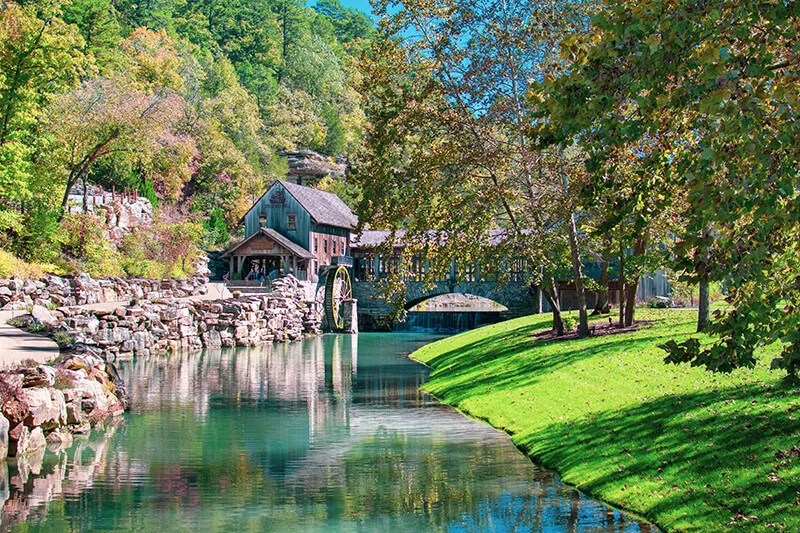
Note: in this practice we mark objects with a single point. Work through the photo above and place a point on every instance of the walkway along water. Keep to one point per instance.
(328, 434)
(17, 346)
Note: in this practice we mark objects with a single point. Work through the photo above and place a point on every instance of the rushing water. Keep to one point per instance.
(447, 321)
(330, 434)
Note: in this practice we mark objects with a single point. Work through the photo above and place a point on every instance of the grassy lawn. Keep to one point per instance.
(686, 449)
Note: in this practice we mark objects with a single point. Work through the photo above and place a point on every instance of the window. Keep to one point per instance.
(262, 221)
(325, 246)
(315, 244)
(292, 222)
(333, 246)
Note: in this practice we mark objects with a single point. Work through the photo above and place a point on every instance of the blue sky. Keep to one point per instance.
(362, 5)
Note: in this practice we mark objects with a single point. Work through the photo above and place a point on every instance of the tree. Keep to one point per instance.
(713, 86)
(98, 23)
(104, 117)
(39, 55)
(448, 151)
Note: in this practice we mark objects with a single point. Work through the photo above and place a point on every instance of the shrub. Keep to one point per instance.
(82, 238)
(660, 302)
(167, 248)
(62, 381)
(37, 327)
(569, 323)
(11, 265)
(63, 338)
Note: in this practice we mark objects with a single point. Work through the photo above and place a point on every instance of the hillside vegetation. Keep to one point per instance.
(188, 103)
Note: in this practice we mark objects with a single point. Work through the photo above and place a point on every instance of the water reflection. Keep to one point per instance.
(331, 434)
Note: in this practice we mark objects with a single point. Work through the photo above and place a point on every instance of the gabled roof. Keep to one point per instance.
(324, 207)
(293, 248)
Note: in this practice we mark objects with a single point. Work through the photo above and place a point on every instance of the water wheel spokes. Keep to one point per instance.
(337, 290)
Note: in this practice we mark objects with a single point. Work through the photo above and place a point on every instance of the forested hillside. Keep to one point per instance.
(187, 102)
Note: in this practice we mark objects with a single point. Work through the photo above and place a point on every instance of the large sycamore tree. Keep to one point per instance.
(447, 159)
(713, 88)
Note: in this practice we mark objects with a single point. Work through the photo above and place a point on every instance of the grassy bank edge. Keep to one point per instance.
(449, 383)
(533, 458)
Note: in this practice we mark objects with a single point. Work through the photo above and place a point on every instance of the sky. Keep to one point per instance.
(361, 5)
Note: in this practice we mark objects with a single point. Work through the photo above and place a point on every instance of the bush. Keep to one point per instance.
(660, 302)
(63, 381)
(11, 265)
(62, 338)
(167, 248)
(37, 327)
(82, 239)
(569, 323)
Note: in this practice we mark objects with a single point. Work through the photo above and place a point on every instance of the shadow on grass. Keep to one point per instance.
(515, 359)
(705, 461)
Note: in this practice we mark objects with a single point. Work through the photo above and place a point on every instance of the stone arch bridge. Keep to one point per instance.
(514, 295)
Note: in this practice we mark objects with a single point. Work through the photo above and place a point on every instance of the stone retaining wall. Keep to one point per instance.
(168, 325)
(53, 291)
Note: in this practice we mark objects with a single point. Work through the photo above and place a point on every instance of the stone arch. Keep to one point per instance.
(410, 304)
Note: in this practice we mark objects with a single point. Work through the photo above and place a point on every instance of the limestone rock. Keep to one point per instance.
(47, 408)
(40, 376)
(4, 427)
(44, 316)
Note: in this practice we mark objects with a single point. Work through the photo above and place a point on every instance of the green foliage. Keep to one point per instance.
(62, 339)
(346, 189)
(82, 239)
(187, 102)
(704, 117)
(606, 415)
(569, 322)
(216, 230)
(11, 265)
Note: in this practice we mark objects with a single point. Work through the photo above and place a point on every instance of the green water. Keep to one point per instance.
(329, 434)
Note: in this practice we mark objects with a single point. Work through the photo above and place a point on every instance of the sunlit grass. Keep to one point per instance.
(690, 450)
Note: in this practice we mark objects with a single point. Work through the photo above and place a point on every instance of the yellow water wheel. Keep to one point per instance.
(337, 289)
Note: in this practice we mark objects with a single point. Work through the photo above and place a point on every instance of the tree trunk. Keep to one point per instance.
(577, 272)
(703, 305)
(550, 291)
(639, 249)
(601, 306)
(622, 291)
(630, 300)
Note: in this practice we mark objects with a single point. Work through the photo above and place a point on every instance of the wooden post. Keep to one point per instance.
(230, 267)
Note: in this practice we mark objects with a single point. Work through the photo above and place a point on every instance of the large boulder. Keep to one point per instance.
(36, 440)
(47, 408)
(4, 427)
(43, 316)
(40, 376)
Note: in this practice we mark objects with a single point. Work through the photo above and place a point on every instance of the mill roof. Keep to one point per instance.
(324, 207)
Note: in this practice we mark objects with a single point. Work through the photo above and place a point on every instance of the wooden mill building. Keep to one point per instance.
(292, 229)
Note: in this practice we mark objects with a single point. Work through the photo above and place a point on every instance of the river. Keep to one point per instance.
(329, 434)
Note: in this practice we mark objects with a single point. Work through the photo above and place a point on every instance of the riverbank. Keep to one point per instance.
(684, 448)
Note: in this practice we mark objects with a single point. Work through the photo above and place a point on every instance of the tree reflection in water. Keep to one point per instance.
(327, 434)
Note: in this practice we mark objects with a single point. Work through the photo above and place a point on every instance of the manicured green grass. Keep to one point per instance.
(685, 448)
